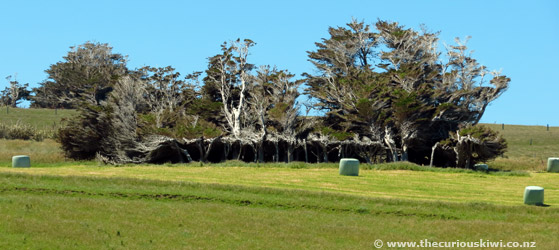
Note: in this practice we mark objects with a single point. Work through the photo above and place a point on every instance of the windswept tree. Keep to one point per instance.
(86, 75)
(273, 103)
(229, 81)
(14, 93)
(166, 94)
(256, 107)
(412, 99)
(230, 74)
(109, 131)
(387, 92)
(347, 87)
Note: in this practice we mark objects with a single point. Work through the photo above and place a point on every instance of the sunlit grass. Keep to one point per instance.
(62, 204)
(404, 184)
(47, 151)
(523, 156)
(44, 119)
(93, 213)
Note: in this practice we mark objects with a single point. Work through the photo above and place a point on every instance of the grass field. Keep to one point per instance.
(401, 184)
(62, 204)
(39, 118)
(68, 212)
(522, 155)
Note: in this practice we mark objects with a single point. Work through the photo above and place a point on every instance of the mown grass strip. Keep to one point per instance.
(402, 184)
(194, 198)
(69, 212)
(134, 189)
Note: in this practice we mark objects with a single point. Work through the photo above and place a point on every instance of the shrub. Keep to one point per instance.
(19, 131)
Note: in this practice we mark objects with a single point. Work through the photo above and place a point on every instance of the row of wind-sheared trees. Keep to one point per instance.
(386, 94)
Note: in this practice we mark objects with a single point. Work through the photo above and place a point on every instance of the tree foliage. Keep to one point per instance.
(411, 98)
(387, 92)
(14, 93)
(86, 75)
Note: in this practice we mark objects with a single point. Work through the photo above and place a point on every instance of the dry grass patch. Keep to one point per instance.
(47, 151)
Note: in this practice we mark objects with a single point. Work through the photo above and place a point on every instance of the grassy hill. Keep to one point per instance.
(39, 118)
(521, 154)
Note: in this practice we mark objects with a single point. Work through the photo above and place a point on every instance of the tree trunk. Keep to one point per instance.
(289, 152)
(276, 155)
(199, 144)
(226, 148)
(404, 153)
(462, 153)
(325, 153)
(180, 152)
(305, 148)
(260, 153)
(240, 152)
(254, 147)
(209, 148)
(236, 149)
(187, 155)
(388, 139)
(433, 154)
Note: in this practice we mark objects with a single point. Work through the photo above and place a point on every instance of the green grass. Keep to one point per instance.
(44, 119)
(61, 204)
(523, 156)
(400, 184)
(41, 152)
(92, 213)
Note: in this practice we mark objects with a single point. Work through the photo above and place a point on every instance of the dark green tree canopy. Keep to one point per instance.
(87, 74)
(411, 98)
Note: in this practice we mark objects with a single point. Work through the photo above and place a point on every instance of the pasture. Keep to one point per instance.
(73, 211)
(62, 204)
(39, 118)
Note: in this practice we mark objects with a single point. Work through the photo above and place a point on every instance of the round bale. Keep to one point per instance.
(553, 165)
(533, 195)
(481, 167)
(21, 161)
(349, 166)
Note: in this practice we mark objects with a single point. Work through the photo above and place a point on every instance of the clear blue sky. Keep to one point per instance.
(519, 37)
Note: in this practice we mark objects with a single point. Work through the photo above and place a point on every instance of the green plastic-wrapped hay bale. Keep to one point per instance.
(533, 195)
(553, 165)
(481, 167)
(349, 166)
(21, 161)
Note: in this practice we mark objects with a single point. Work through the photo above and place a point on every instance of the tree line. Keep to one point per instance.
(386, 93)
